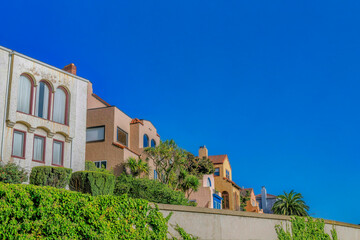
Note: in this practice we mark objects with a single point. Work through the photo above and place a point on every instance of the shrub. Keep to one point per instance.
(34, 212)
(12, 173)
(150, 190)
(50, 176)
(305, 228)
(94, 183)
(90, 166)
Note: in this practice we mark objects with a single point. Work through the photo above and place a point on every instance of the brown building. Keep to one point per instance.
(112, 136)
(252, 205)
(230, 191)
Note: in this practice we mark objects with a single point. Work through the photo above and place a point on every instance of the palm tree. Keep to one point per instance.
(290, 204)
(137, 166)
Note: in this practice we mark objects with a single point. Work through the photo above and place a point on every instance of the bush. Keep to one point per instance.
(50, 176)
(34, 212)
(305, 228)
(150, 190)
(94, 183)
(90, 166)
(12, 173)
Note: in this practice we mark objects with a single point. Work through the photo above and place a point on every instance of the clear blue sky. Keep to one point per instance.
(273, 84)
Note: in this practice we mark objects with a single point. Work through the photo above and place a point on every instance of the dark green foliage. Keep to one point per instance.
(198, 166)
(244, 198)
(150, 190)
(34, 212)
(137, 167)
(12, 173)
(50, 176)
(291, 204)
(94, 183)
(305, 228)
(184, 235)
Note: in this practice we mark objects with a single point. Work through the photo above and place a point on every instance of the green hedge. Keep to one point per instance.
(34, 212)
(150, 190)
(50, 176)
(94, 183)
(12, 173)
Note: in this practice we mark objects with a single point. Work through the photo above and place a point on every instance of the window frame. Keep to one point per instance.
(227, 172)
(117, 136)
(24, 144)
(101, 161)
(151, 143)
(49, 103)
(44, 148)
(96, 140)
(226, 196)
(148, 139)
(67, 95)
(208, 182)
(217, 175)
(62, 153)
(31, 93)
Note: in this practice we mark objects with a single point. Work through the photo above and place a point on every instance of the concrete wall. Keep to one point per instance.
(217, 224)
(72, 134)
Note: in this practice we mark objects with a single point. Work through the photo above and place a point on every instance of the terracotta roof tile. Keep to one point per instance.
(218, 159)
(136, 120)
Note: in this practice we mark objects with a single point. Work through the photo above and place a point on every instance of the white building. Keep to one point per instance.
(42, 113)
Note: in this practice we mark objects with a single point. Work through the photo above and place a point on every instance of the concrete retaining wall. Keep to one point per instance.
(225, 224)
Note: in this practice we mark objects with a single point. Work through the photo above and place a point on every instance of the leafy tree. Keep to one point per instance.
(290, 204)
(198, 166)
(137, 166)
(305, 228)
(244, 198)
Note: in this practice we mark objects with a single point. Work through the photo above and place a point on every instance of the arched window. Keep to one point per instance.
(153, 143)
(42, 100)
(225, 196)
(60, 112)
(208, 182)
(146, 141)
(25, 94)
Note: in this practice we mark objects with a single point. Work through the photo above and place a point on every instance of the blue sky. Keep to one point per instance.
(273, 84)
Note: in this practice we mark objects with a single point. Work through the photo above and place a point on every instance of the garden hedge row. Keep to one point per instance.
(34, 212)
(150, 190)
(50, 176)
(94, 183)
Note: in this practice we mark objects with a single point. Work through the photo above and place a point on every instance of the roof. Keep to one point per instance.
(243, 191)
(136, 120)
(218, 159)
(267, 195)
(101, 100)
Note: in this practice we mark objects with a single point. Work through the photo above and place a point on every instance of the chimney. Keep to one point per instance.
(263, 199)
(71, 68)
(203, 152)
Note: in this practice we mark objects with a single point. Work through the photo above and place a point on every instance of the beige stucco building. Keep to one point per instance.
(207, 196)
(113, 136)
(42, 113)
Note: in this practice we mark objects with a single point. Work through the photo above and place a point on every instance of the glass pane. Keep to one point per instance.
(121, 137)
(59, 106)
(57, 153)
(42, 100)
(153, 143)
(24, 95)
(146, 141)
(95, 134)
(18, 144)
(39, 148)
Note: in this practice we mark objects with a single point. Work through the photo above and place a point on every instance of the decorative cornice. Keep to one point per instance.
(50, 134)
(68, 139)
(10, 124)
(31, 129)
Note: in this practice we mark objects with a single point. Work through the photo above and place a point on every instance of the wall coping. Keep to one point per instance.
(180, 208)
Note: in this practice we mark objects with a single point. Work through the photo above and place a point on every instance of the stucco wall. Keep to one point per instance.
(216, 224)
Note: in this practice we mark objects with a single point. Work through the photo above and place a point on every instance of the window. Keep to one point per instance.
(217, 172)
(155, 174)
(18, 149)
(94, 134)
(227, 174)
(122, 136)
(60, 114)
(101, 164)
(146, 141)
(42, 101)
(39, 148)
(208, 182)
(58, 153)
(225, 196)
(24, 94)
(153, 143)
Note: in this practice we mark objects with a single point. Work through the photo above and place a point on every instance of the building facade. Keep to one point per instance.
(266, 201)
(43, 113)
(252, 205)
(112, 136)
(207, 196)
(230, 191)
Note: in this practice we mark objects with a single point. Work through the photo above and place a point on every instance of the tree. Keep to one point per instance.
(244, 198)
(137, 167)
(198, 166)
(290, 204)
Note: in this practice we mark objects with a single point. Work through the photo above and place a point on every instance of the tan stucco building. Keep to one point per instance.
(206, 196)
(230, 191)
(252, 205)
(113, 136)
(42, 113)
